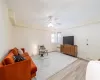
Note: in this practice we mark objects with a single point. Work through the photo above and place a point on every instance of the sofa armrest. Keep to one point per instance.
(17, 71)
(93, 70)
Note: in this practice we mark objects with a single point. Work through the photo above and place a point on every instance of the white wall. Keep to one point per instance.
(30, 38)
(5, 30)
(81, 34)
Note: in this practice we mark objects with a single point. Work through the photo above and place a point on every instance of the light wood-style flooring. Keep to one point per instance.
(75, 71)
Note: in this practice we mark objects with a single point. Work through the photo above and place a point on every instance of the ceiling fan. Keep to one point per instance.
(52, 20)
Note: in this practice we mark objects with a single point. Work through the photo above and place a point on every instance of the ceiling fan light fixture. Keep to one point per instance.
(50, 25)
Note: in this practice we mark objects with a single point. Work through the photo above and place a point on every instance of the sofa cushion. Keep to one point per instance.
(25, 54)
(33, 68)
(27, 58)
(1, 65)
(9, 59)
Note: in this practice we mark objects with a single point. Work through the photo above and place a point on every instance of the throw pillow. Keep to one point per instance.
(18, 58)
(20, 51)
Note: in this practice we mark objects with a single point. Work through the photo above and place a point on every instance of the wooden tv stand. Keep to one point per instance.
(69, 49)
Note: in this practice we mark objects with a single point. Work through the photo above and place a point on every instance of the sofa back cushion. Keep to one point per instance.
(15, 51)
(23, 49)
(9, 59)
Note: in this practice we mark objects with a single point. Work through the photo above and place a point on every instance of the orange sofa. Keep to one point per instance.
(23, 70)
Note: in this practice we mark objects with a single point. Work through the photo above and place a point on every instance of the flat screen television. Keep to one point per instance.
(68, 40)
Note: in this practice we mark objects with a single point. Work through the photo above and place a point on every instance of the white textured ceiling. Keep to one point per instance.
(67, 12)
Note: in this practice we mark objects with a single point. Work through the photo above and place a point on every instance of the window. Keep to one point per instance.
(56, 37)
(53, 37)
(59, 37)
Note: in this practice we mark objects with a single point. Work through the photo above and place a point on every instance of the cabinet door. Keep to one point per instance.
(73, 51)
(67, 49)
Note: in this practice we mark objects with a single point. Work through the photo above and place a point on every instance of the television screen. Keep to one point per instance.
(68, 40)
